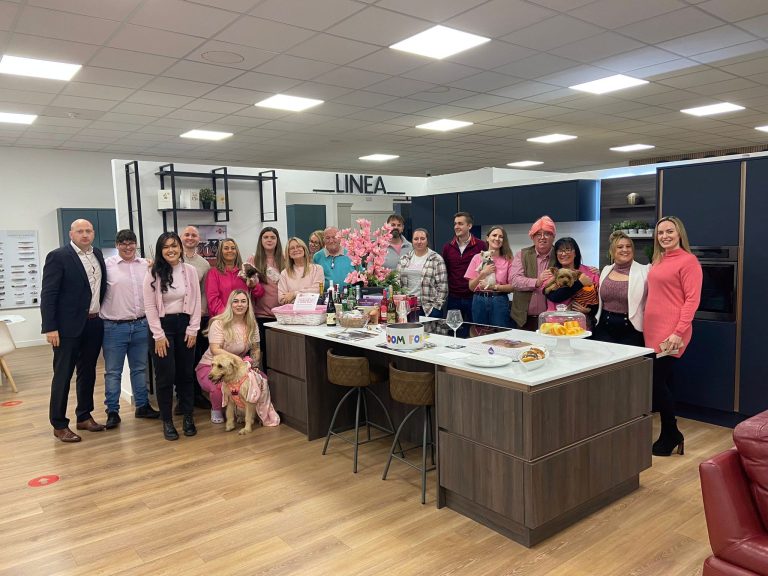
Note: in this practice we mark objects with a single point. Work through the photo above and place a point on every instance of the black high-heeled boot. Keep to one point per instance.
(669, 439)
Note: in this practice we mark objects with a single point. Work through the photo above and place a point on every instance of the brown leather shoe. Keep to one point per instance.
(66, 435)
(91, 425)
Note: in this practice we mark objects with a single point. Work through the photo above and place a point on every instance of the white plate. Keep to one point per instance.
(586, 334)
(487, 361)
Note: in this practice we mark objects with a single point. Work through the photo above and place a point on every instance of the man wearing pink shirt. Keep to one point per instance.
(125, 329)
(530, 271)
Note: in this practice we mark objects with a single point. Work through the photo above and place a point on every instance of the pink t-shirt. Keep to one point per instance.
(216, 335)
(503, 270)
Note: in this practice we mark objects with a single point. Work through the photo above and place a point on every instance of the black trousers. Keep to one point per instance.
(617, 328)
(176, 369)
(200, 347)
(81, 352)
(263, 340)
(663, 399)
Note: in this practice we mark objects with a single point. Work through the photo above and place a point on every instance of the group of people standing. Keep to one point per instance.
(124, 300)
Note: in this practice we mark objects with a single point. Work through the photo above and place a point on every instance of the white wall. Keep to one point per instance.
(37, 182)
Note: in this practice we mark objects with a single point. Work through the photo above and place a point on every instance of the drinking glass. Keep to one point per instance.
(454, 321)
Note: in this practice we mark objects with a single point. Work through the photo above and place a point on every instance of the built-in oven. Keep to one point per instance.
(719, 266)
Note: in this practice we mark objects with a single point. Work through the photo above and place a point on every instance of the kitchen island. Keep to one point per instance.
(525, 453)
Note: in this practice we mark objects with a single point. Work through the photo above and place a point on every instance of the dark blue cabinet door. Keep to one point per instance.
(753, 388)
(705, 375)
(706, 198)
(423, 216)
(446, 205)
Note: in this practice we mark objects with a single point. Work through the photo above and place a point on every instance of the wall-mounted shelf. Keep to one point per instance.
(195, 210)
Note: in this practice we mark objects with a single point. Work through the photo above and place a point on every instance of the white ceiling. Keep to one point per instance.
(148, 76)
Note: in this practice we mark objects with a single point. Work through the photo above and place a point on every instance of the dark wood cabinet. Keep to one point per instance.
(706, 198)
(104, 222)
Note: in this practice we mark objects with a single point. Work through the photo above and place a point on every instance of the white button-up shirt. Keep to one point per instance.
(93, 271)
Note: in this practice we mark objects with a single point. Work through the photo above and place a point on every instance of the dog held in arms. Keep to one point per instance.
(243, 388)
(565, 278)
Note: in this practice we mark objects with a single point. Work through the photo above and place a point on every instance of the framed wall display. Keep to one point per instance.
(210, 236)
(20, 270)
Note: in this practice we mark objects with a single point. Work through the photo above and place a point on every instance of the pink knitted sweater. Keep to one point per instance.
(674, 290)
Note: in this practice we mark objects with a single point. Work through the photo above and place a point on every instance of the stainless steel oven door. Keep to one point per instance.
(718, 291)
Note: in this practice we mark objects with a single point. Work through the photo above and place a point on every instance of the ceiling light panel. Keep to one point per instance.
(290, 103)
(712, 109)
(379, 157)
(12, 118)
(551, 138)
(439, 42)
(632, 147)
(206, 135)
(444, 125)
(19, 66)
(609, 84)
(525, 163)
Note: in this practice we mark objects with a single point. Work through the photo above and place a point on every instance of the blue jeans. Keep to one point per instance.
(458, 303)
(491, 310)
(123, 339)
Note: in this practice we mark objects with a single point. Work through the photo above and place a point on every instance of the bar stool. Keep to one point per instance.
(416, 389)
(355, 373)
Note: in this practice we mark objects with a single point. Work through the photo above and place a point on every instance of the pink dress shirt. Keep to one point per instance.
(124, 299)
(521, 283)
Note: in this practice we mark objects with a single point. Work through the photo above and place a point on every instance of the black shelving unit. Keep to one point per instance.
(132, 185)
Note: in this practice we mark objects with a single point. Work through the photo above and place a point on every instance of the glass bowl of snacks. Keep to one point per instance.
(533, 357)
(563, 325)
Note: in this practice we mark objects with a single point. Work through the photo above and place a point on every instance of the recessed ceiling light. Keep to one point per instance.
(609, 84)
(37, 68)
(206, 135)
(762, 128)
(524, 163)
(379, 157)
(550, 138)
(712, 109)
(632, 147)
(444, 125)
(291, 103)
(439, 42)
(12, 118)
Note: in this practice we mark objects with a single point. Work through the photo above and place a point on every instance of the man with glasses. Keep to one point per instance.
(125, 329)
(530, 273)
(333, 260)
(74, 284)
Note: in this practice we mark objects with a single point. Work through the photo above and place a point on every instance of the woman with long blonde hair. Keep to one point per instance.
(674, 290)
(235, 331)
(300, 274)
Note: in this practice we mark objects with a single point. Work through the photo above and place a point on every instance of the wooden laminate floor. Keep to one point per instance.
(129, 502)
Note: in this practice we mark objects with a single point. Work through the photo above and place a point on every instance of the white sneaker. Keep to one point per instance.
(217, 417)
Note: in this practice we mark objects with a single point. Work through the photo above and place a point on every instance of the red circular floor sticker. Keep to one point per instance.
(43, 481)
(10, 403)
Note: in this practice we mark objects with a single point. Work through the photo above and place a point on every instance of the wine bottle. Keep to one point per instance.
(391, 310)
(383, 308)
(330, 311)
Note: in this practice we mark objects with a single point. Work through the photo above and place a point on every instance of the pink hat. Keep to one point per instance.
(544, 223)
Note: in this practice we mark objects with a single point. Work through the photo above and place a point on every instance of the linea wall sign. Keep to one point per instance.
(358, 184)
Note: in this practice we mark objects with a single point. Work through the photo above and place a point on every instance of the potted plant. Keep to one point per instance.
(207, 197)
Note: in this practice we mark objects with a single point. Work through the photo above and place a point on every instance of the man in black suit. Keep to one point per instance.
(74, 284)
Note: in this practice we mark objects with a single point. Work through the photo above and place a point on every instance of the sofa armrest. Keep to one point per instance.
(728, 505)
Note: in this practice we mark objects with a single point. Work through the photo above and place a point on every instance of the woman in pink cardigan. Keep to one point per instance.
(674, 290)
(172, 304)
(223, 278)
(300, 274)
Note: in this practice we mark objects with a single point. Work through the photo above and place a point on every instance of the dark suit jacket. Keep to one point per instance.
(66, 295)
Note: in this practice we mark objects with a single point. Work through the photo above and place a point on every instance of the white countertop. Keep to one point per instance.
(588, 354)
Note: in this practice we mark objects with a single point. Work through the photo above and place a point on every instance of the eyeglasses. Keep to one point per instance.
(543, 234)
(565, 251)
(127, 244)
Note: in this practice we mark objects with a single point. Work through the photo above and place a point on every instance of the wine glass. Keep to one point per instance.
(454, 321)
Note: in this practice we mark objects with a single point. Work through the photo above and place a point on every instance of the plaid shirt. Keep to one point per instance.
(434, 279)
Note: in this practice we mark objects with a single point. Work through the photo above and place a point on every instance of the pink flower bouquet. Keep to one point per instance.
(367, 251)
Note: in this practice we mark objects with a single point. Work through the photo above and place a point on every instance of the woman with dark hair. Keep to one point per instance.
(622, 294)
(490, 279)
(268, 260)
(674, 290)
(172, 304)
(224, 277)
(582, 295)
(300, 274)
(422, 272)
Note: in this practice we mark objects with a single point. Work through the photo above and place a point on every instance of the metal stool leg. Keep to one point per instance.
(365, 414)
(396, 442)
(424, 457)
(333, 420)
(431, 433)
(389, 420)
(357, 429)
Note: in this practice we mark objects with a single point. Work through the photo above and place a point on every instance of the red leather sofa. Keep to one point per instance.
(734, 485)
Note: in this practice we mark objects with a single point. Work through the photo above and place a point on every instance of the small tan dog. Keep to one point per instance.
(562, 278)
(243, 388)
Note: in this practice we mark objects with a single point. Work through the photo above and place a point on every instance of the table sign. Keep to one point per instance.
(305, 302)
